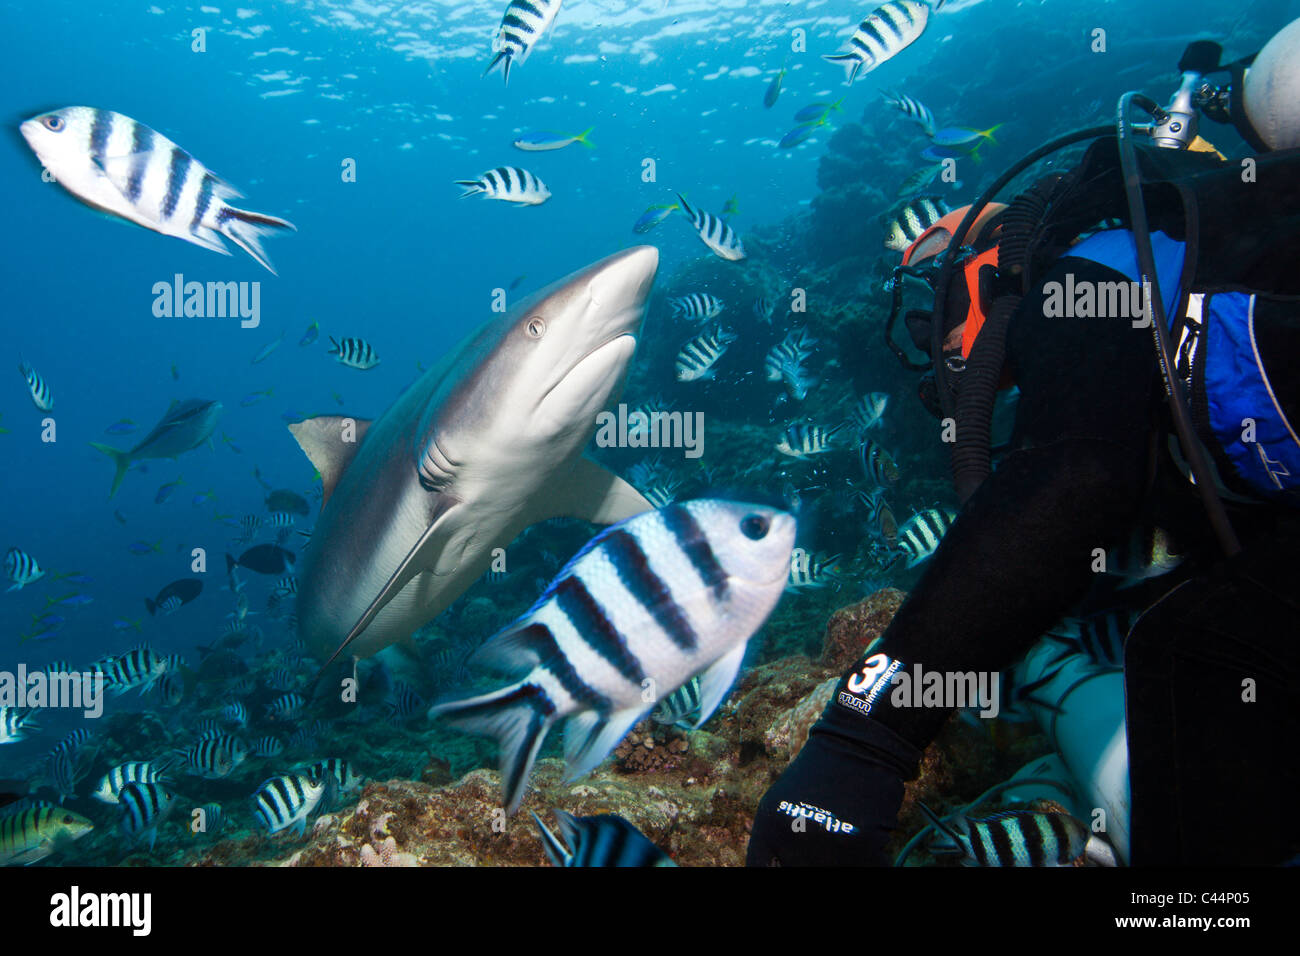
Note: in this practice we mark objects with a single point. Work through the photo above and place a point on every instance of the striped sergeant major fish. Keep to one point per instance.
(286, 707)
(404, 703)
(920, 535)
(267, 747)
(66, 770)
(139, 667)
(912, 108)
(698, 355)
(797, 380)
(603, 840)
(1012, 838)
(344, 775)
(286, 586)
(144, 807)
(213, 818)
(286, 801)
(116, 164)
(886, 32)
(110, 785)
(869, 412)
(171, 688)
(17, 724)
(878, 465)
(509, 184)
(281, 520)
(215, 756)
(802, 440)
(793, 349)
(677, 707)
(282, 679)
(880, 517)
(1147, 552)
(812, 571)
(525, 22)
(248, 526)
(699, 306)
(649, 603)
(74, 741)
(913, 220)
(764, 309)
(1099, 637)
(354, 353)
(37, 387)
(662, 492)
(917, 181)
(714, 232)
(30, 835)
(235, 713)
(21, 568)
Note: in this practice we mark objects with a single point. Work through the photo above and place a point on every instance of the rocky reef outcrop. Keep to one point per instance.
(691, 792)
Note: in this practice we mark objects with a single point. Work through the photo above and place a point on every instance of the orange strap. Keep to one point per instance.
(976, 315)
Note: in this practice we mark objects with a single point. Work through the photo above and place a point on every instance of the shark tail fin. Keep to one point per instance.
(121, 460)
(245, 229)
(519, 717)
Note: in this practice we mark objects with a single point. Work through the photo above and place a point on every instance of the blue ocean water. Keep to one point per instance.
(286, 95)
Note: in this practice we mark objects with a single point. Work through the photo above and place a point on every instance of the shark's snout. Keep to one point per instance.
(623, 281)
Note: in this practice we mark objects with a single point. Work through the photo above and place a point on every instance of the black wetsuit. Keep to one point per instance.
(1088, 464)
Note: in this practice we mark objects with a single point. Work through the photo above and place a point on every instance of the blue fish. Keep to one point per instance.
(773, 92)
(165, 491)
(310, 336)
(799, 134)
(544, 142)
(124, 427)
(75, 600)
(652, 217)
(816, 111)
(965, 136)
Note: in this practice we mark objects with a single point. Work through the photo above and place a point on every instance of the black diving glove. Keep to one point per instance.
(838, 802)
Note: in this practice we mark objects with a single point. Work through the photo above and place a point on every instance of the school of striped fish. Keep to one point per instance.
(571, 630)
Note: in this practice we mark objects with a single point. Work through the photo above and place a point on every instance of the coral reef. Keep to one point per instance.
(691, 792)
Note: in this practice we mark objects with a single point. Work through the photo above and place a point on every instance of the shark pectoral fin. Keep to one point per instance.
(330, 442)
(591, 492)
(418, 559)
(716, 681)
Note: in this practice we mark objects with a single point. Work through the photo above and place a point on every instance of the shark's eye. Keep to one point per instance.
(754, 527)
(54, 124)
(536, 327)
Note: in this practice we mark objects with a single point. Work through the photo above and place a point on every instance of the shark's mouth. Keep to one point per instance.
(586, 387)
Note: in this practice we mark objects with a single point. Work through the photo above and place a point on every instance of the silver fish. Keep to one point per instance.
(114, 163)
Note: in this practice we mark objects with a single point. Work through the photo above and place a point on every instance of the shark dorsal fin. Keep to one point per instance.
(324, 441)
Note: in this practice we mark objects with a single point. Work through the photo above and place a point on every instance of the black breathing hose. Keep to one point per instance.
(1191, 446)
(971, 458)
(959, 235)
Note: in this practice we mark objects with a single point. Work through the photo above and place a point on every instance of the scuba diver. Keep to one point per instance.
(1179, 416)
